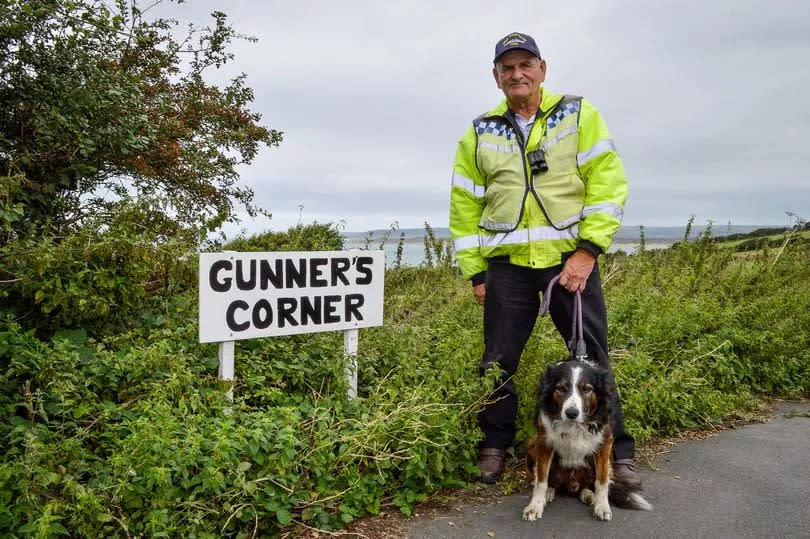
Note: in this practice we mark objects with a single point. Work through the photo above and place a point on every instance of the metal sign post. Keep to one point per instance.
(350, 337)
(226, 353)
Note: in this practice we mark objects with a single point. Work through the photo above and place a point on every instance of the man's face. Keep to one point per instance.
(519, 74)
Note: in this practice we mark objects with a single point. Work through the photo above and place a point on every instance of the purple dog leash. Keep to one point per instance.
(577, 343)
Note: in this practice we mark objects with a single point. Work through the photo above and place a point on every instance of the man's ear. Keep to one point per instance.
(543, 67)
(495, 76)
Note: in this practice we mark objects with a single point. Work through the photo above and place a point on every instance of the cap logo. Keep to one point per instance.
(513, 39)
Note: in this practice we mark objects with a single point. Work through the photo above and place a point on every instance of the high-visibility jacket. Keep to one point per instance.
(499, 207)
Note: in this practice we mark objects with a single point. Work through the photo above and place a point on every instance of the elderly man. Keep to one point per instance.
(538, 190)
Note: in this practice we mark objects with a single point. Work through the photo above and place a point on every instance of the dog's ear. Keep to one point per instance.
(605, 394)
(545, 388)
(546, 380)
(547, 385)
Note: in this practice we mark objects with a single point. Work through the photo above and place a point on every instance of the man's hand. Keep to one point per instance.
(576, 270)
(480, 290)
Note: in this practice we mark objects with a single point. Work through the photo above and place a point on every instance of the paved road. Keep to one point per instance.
(753, 481)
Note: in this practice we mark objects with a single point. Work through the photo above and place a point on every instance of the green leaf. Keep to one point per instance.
(438, 462)
(284, 516)
(58, 529)
(74, 336)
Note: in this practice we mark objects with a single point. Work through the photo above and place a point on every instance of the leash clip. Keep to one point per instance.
(581, 353)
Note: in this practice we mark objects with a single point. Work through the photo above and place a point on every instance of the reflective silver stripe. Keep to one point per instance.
(466, 242)
(524, 235)
(505, 238)
(605, 207)
(551, 233)
(604, 145)
(569, 221)
(468, 185)
(496, 226)
(562, 134)
(512, 148)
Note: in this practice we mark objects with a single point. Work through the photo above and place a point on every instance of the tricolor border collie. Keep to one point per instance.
(572, 451)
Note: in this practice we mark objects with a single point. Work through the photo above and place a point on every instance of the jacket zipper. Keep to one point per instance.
(529, 187)
(519, 136)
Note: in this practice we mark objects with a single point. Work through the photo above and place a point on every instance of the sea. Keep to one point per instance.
(626, 239)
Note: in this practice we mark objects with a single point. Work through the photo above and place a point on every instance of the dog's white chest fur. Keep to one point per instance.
(572, 442)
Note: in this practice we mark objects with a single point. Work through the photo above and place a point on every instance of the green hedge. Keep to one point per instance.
(114, 432)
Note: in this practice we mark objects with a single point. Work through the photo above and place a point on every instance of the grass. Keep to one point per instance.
(803, 234)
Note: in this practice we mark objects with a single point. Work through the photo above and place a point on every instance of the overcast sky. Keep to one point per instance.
(708, 101)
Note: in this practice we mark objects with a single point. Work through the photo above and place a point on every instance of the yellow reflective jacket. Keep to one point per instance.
(499, 207)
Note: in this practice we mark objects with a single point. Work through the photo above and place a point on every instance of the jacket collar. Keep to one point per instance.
(547, 102)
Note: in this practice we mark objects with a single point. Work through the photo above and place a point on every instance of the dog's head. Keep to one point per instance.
(575, 391)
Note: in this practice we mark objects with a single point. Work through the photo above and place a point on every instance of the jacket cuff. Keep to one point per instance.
(478, 278)
(591, 247)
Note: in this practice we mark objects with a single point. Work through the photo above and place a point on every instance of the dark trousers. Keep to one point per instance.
(510, 311)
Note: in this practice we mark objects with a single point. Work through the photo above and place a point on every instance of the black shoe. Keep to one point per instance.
(491, 464)
(625, 470)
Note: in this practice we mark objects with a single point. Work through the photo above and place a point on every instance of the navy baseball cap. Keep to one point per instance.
(513, 41)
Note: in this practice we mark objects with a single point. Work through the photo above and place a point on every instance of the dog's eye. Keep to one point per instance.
(587, 389)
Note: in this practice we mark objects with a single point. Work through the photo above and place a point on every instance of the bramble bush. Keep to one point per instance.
(101, 274)
(126, 430)
(311, 237)
(116, 432)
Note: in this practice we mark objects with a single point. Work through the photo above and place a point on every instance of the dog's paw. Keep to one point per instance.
(533, 511)
(586, 496)
(602, 511)
(550, 494)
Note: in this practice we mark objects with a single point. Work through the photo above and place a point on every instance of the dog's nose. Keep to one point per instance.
(571, 413)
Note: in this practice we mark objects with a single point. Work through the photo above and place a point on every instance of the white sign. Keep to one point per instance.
(250, 295)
